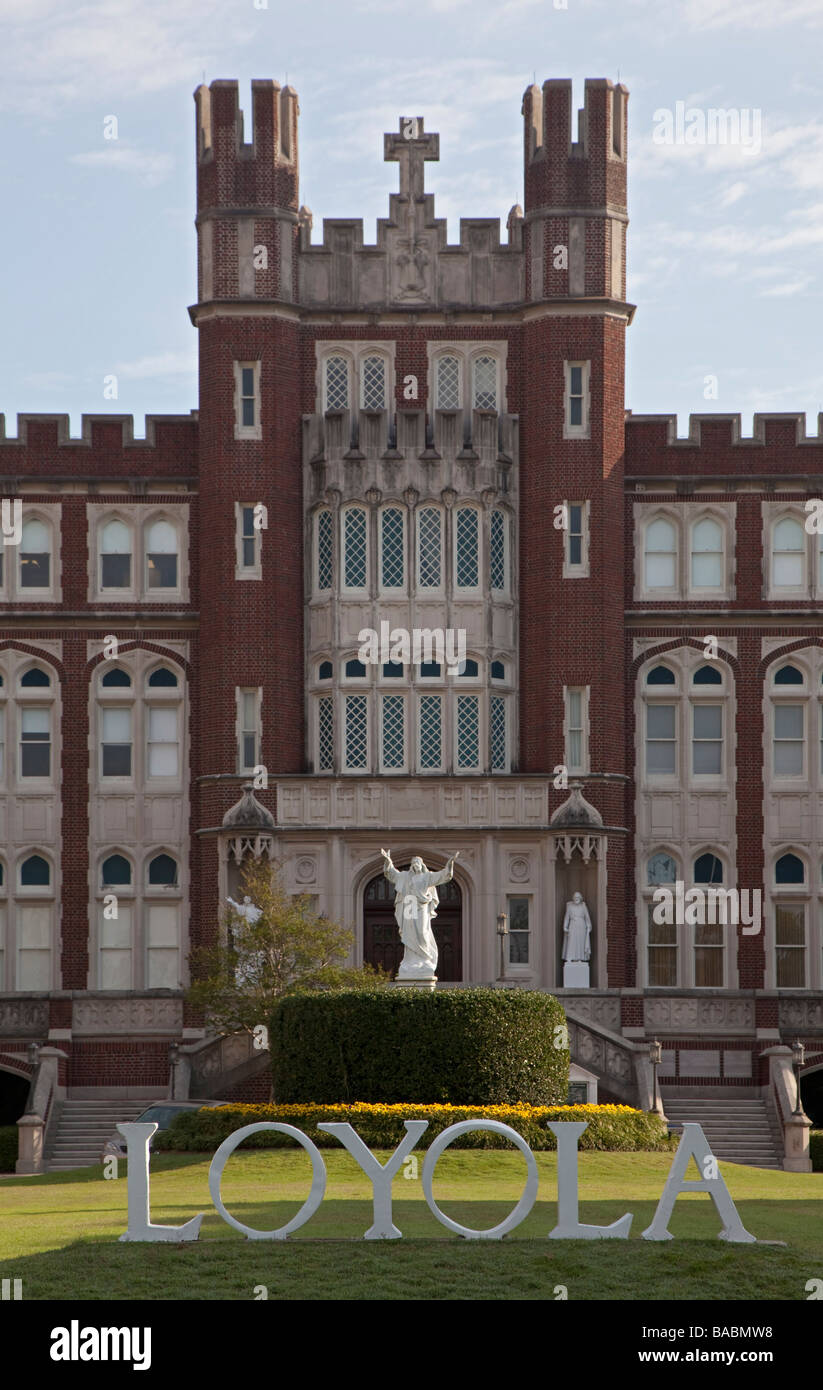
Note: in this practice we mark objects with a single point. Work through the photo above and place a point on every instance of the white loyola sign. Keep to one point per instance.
(692, 1145)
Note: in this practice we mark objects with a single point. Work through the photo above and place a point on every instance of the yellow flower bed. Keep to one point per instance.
(618, 1127)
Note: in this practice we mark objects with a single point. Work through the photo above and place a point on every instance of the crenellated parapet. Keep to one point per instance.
(44, 447)
(411, 264)
(716, 446)
(247, 193)
(575, 191)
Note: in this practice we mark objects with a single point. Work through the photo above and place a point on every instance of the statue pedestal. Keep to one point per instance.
(419, 982)
(576, 974)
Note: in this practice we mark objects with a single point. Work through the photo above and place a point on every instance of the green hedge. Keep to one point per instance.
(815, 1149)
(8, 1148)
(461, 1046)
(614, 1127)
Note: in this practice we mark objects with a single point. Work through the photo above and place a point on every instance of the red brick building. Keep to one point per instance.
(414, 437)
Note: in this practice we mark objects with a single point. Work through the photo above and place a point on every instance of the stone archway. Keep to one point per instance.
(381, 940)
(14, 1093)
(811, 1094)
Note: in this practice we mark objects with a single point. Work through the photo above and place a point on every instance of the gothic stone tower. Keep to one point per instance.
(413, 416)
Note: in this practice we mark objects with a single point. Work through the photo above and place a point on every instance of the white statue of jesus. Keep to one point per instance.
(415, 906)
(577, 930)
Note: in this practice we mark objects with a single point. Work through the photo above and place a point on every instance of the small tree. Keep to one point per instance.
(289, 948)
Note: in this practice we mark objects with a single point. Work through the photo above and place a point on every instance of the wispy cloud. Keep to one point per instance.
(149, 166)
(163, 364)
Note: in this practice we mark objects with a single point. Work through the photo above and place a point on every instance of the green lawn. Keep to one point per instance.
(59, 1234)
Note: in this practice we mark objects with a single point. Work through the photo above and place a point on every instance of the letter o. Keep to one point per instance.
(309, 1207)
(527, 1199)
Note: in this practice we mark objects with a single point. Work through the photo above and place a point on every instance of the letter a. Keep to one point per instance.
(694, 1144)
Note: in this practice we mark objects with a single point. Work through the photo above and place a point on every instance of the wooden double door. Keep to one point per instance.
(381, 938)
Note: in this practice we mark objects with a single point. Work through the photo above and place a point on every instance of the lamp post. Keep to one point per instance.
(655, 1057)
(33, 1051)
(174, 1053)
(502, 933)
(798, 1060)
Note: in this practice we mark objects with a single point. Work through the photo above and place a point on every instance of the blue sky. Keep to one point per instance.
(98, 250)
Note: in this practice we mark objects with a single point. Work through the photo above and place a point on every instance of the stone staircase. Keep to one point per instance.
(82, 1129)
(739, 1131)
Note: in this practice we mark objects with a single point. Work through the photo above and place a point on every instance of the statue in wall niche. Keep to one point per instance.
(246, 909)
(577, 931)
(415, 907)
(251, 914)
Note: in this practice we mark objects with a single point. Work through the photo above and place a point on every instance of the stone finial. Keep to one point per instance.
(576, 811)
(248, 813)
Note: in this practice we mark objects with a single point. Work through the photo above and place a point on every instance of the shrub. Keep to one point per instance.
(8, 1148)
(815, 1150)
(615, 1127)
(458, 1046)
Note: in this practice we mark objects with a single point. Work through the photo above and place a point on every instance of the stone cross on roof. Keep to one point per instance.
(410, 147)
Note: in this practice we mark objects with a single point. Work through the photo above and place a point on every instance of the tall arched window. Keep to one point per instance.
(707, 554)
(161, 555)
(467, 548)
(484, 383)
(373, 382)
(161, 944)
(429, 548)
(35, 555)
(788, 554)
(336, 383)
(33, 923)
(323, 569)
(115, 555)
(355, 548)
(498, 553)
(392, 548)
(448, 382)
(660, 555)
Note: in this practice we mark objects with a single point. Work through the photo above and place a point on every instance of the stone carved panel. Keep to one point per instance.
(604, 1011)
(127, 1015)
(800, 1013)
(22, 1016)
(699, 1014)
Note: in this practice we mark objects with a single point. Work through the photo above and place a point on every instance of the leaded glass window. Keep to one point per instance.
(325, 734)
(374, 383)
(485, 383)
(392, 535)
(497, 563)
(394, 731)
(357, 738)
(468, 731)
(430, 545)
(324, 550)
(497, 733)
(448, 383)
(354, 548)
(337, 383)
(431, 737)
(466, 521)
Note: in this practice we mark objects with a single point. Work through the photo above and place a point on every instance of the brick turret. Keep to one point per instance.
(575, 218)
(247, 200)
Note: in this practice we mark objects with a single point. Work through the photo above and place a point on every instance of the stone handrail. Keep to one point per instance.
(42, 1110)
(795, 1124)
(216, 1064)
(620, 1065)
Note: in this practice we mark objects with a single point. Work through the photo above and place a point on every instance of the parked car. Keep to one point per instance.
(162, 1112)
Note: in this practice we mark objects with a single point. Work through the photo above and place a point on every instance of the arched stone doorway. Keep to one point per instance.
(14, 1092)
(381, 940)
(811, 1094)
